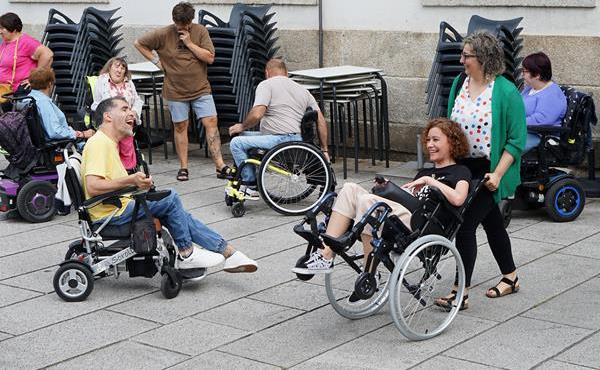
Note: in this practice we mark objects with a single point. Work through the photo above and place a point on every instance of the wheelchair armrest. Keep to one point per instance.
(546, 129)
(109, 198)
(157, 195)
(439, 196)
(63, 142)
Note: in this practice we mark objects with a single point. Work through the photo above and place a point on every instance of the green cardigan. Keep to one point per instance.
(509, 131)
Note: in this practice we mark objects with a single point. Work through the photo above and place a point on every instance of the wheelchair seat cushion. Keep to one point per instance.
(114, 232)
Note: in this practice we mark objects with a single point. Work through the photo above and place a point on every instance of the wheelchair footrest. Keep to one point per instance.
(190, 274)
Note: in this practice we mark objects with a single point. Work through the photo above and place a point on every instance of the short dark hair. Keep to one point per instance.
(105, 106)
(40, 78)
(183, 13)
(538, 64)
(11, 22)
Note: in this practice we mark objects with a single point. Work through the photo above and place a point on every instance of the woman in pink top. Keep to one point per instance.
(30, 54)
(115, 80)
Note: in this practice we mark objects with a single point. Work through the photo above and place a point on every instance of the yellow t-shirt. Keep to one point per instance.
(101, 158)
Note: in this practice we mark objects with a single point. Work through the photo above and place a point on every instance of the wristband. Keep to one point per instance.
(155, 60)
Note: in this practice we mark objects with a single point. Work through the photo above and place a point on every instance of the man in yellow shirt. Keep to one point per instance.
(103, 172)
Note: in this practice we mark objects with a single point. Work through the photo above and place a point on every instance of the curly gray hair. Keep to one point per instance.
(489, 52)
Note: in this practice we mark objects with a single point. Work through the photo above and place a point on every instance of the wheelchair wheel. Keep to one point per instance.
(169, 287)
(293, 177)
(73, 282)
(565, 200)
(341, 282)
(426, 270)
(35, 201)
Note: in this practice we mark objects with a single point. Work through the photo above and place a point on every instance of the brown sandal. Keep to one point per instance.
(512, 288)
(447, 303)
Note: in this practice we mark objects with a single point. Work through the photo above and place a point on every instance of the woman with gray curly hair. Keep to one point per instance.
(490, 111)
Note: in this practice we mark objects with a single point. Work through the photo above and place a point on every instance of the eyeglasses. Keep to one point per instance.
(466, 56)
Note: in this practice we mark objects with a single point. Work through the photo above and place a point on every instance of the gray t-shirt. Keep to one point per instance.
(286, 102)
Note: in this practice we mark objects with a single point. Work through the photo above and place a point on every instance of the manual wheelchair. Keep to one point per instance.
(543, 183)
(28, 184)
(411, 268)
(142, 247)
(292, 177)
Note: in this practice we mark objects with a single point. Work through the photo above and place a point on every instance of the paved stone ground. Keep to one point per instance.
(270, 320)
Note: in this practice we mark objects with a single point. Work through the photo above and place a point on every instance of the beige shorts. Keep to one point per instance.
(353, 202)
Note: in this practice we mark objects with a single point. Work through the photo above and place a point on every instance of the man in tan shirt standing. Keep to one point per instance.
(184, 50)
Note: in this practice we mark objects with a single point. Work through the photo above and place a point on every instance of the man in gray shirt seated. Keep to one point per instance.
(279, 105)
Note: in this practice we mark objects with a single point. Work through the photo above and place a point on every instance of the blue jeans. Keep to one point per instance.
(533, 140)
(184, 228)
(240, 145)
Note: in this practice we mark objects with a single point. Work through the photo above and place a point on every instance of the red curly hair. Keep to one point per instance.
(459, 145)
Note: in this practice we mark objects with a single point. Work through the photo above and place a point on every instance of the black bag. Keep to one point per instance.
(143, 231)
(393, 192)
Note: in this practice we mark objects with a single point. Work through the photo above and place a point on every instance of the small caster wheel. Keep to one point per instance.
(365, 285)
(238, 210)
(301, 261)
(228, 200)
(169, 287)
(73, 282)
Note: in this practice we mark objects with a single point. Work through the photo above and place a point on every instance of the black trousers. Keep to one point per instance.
(484, 211)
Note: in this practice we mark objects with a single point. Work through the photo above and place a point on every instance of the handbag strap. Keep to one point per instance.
(14, 66)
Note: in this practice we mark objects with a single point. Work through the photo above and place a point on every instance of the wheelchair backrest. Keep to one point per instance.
(579, 116)
(308, 125)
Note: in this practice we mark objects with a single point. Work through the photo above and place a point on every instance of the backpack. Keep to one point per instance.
(16, 141)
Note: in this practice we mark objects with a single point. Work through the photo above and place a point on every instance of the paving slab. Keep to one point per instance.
(248, 314)
(442, 362)
(33, 239)
(386, 348)
(4, 336)
(528, 341)
(38, 281)
(222, 361)
(59, 342)
(559, 365)
(37, 259)
(50, 309)
(540, 281)
(193, 336)
(303, 337)
(271, 241)
(586, 353)
(124, 355)
(10, 295)
(585, 248)
(582, 302)
(297, 294)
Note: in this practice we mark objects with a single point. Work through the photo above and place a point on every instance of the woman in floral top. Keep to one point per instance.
(489, 109)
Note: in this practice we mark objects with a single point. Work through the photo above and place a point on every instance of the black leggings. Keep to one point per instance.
(484, 211)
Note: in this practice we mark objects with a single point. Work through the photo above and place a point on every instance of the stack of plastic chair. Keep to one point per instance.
(243, 45)
(80, 49)
(446, 64)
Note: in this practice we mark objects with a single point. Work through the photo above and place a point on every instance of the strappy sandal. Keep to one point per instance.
(512, 288)
(225, 173)
(447, 303)
(183, 174)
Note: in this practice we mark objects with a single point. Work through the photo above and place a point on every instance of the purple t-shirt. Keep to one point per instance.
(546, 107)
(25, 62)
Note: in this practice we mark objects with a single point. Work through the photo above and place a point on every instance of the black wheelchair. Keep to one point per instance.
(292, 177)
(543, 183)
(141, 248)
(28, 184)
(411, 268)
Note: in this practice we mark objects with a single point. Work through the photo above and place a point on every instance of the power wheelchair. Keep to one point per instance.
(542, 183)
(411, 268)
(292, 177)
(28, 184)
(142, 248)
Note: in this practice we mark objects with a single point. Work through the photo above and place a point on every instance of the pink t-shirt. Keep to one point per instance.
(25, 62)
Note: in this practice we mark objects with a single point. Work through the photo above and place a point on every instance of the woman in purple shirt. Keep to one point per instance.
(545, 103)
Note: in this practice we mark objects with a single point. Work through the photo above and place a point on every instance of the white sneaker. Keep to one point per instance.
(200, 258)
(250, 193)
(316, 264)
(239, 262)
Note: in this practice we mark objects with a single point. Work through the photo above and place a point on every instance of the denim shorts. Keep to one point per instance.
(204, 106)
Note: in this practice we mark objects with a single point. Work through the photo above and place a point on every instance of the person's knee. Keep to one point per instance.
(181, 127)
(210, 122)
